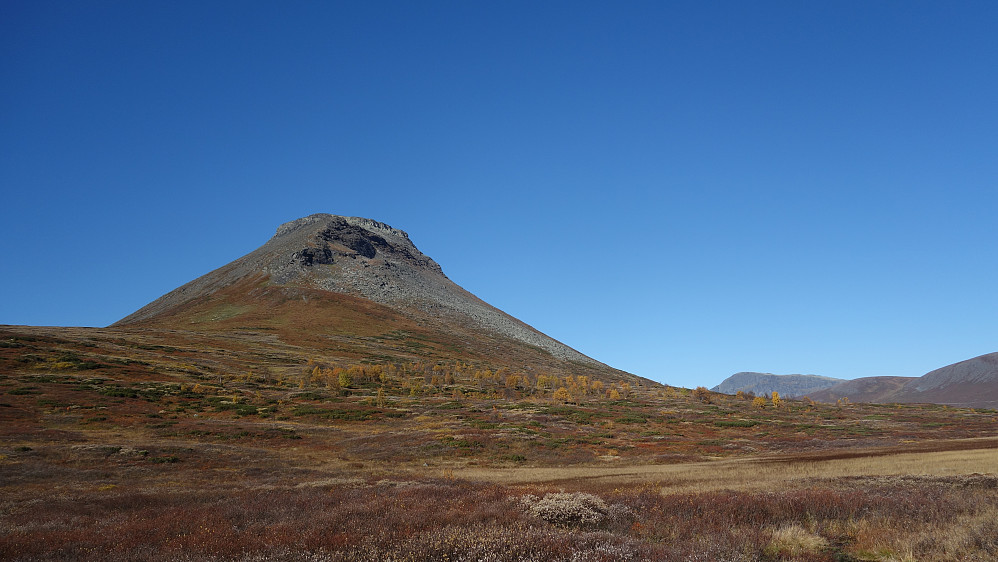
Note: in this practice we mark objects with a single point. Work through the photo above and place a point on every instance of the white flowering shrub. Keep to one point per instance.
(565, 508)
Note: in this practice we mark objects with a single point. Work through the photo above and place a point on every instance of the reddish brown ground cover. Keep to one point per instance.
(142, 444)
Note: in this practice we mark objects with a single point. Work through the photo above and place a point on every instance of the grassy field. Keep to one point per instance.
(171, 445)
(757, 473)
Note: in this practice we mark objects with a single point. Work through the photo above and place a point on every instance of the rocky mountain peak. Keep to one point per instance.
(323, 239)
(372, 226)
(363, 258)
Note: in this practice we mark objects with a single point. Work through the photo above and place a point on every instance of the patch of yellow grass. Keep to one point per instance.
(749, 473)
(956, 539)
(794, 540)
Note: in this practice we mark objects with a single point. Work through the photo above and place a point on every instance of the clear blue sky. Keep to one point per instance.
(680, 189)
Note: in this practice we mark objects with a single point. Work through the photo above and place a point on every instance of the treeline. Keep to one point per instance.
(456, 379)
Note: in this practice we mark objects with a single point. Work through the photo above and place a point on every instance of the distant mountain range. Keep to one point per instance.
(767, 383)
(972, 383)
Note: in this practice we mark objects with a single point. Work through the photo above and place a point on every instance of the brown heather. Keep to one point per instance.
(159, 446)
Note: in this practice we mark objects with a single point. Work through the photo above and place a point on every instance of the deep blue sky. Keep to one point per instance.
(680, 189)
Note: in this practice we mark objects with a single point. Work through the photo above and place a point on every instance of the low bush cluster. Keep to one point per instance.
(563, 508)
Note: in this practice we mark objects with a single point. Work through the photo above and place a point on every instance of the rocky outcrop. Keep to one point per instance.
(307, 257)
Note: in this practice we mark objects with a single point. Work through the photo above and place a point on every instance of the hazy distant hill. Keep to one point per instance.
(865, 389)
(767, 383)
(973, 382)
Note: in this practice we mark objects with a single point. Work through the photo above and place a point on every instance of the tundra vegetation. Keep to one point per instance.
(120, 444)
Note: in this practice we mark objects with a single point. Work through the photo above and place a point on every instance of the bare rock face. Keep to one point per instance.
(327, 236)
(365, 258)
(361, 257)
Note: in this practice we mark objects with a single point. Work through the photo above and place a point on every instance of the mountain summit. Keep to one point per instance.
(331, 277)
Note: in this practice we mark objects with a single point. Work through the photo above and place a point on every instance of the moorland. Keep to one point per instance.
(129, 443)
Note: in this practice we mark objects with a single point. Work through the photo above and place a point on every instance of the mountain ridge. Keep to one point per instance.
(765, 383)
(972, 382)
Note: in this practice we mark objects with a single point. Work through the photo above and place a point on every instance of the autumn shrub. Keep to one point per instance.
(571, 508)
(702, 394)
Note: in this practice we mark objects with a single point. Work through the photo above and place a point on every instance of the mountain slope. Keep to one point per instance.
(973, 382)
(358, 286)
(864, 389)
(766, 383)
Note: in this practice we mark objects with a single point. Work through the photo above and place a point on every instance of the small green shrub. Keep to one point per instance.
(118, 392)
(735, 423)
(23, 391)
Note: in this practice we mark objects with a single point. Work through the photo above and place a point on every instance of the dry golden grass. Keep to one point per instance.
(794, 540)
(749, 473)
(126, 445)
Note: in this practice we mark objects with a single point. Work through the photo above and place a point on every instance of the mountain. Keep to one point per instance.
(865, 389)
(973, 383)
(766, 383)
(361, 289)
